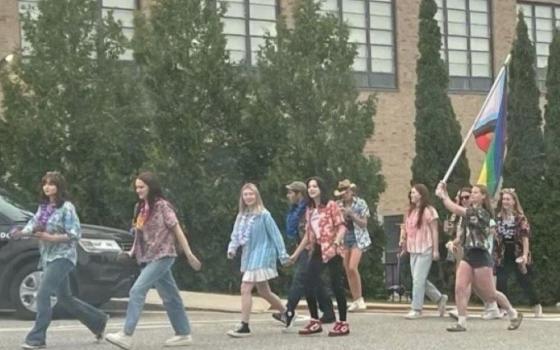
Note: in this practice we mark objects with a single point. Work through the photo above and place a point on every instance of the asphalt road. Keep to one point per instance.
(368, 331)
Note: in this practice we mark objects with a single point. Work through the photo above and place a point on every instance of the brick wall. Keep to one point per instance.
(393, 141)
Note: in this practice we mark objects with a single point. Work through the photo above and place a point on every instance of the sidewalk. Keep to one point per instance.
(232, 303)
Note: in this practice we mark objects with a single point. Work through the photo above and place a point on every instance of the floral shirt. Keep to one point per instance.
(56, 221)
(156, 238)
(360, 208)
(511, 231)
(476, 229)
(330, 222)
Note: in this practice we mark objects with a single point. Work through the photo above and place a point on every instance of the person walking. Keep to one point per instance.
(295, 231)
(324, 239)
(356, 241)
(476, 267)
(57, 227)
(420, 239)
(261, 241)
(513, 253)
(157, 231)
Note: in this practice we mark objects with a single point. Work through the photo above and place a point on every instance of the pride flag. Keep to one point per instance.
(490, 133)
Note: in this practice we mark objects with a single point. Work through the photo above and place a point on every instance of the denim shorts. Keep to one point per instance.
(350, 240)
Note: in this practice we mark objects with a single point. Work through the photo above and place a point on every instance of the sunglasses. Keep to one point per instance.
(465, 197)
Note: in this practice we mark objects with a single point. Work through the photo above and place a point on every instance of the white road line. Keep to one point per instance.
(165, 323)
(118, 325)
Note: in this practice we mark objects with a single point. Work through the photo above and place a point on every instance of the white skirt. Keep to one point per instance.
(259, 275)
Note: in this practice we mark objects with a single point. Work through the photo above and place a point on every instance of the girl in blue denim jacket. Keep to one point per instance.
(57, 227)
(262, 245)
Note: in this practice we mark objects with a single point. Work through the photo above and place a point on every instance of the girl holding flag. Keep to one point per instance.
(476, 266)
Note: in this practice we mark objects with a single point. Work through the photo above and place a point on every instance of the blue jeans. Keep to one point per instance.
(157, 274)
(55, 281)
(420, 268)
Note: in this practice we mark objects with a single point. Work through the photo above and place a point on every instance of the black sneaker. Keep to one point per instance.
(278, 317)
(326, 319)
(242, 331)
(101, 335)
(287, 318)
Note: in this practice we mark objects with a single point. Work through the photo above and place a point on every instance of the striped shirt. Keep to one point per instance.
(419, 239)
(263, 245)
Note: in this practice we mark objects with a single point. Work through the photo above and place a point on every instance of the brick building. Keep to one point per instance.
(477, 36)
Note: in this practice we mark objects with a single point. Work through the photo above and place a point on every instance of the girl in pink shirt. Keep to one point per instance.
(419, 237)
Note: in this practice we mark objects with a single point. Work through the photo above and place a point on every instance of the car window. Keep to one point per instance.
(12, 210)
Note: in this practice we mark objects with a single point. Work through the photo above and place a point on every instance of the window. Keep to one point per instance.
(371, 25)
(123, 12)
(465, 27)
(245, 24)
(541, 21)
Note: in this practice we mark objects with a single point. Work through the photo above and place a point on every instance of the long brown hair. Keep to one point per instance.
(486, 204)
(154, 193)
(422, 204)
(54, 178)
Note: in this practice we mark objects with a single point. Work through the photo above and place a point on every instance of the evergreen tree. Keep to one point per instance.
(545, 241)
(524, 163)
(438, 133)
(197, 96)
(70, 105)
(310, 121)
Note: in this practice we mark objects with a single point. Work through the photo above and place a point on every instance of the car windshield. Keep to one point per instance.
(12, 210)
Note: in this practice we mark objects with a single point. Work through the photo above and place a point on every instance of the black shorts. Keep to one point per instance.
(477, 258)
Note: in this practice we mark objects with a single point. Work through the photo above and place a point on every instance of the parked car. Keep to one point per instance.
(99, 276)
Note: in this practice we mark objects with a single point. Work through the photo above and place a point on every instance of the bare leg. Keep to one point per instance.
(352, 259)
(264, 291)
(463, 283)
(484, 285)
(246, 300)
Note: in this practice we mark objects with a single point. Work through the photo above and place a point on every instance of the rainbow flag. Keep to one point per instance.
(490, 134)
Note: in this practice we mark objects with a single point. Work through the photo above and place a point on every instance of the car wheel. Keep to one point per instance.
(24, 289)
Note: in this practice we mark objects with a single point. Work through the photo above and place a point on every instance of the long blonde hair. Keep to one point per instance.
(517, 209)
(259, 206)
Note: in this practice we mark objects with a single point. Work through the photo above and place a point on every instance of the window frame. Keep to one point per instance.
(247, 19)
(100, 10)
(370, 79)
(532, 31)
(468, 82)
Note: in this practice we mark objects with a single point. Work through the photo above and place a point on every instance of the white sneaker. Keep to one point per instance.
(120, 339)
(442, 304)
(454, 314)
(492, 314)
(178, 340)
(537, 309)
(357, 305)
(413, 315)
(32, 347)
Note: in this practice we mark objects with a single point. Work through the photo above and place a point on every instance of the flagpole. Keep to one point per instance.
(471, 130)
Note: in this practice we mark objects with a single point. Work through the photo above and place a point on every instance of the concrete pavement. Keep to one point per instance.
(232, 303)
